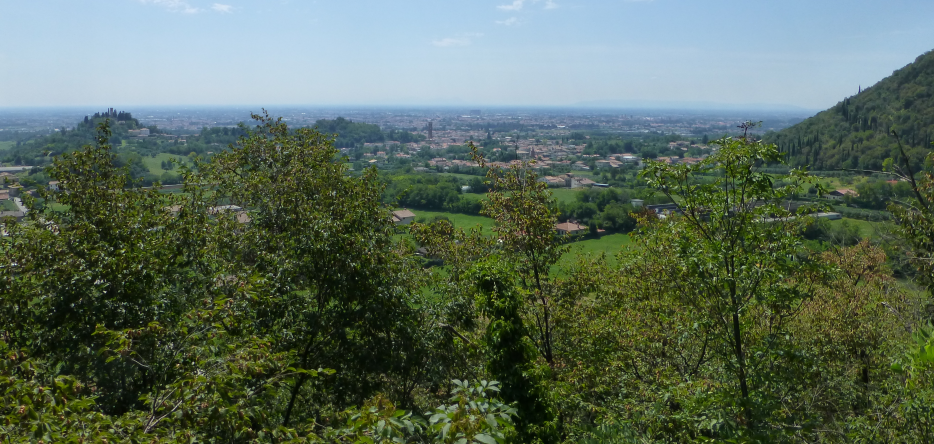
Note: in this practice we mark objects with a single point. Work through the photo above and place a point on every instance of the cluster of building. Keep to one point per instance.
(569, 180)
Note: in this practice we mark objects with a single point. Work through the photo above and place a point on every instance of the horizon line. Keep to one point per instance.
(643, 106)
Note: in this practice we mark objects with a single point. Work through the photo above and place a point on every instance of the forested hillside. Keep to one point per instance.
(856, 133)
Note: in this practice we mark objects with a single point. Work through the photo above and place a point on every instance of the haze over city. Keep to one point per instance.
(532, 53)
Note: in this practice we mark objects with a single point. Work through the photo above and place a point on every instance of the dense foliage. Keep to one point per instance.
(274, 300)
(431, 192)
(350, 133)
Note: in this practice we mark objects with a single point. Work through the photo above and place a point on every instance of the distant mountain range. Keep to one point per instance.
(856, 132)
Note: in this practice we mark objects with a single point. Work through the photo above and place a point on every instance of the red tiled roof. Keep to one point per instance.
(570, 227)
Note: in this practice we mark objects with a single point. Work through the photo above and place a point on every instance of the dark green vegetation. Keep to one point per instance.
(282, 304)
(432, 192)
(133, 151)
(352, 134)
(856, 133)
(150, 157)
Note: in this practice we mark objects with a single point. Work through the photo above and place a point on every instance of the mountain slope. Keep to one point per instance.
(856, 133)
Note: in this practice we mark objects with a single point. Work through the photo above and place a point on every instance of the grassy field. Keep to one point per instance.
(565, 194)
(867, 229)
(154, 164)
(6, 145)
(610, 244)
(464, 221)
(473, 196)
(7, 205)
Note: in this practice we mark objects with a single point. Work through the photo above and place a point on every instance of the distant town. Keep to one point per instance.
(448, 123)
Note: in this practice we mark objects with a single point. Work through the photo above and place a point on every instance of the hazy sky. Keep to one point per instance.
(807, 53)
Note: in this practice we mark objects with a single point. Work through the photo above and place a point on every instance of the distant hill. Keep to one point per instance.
(39, 151)
(856, 132)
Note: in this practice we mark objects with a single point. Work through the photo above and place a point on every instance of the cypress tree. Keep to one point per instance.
(511, 354)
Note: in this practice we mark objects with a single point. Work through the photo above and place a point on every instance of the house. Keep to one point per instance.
(580, 182)
(570, 228)
(839, 194)
(8, 178)
(691, 160)
(663, 210)
(553, 181)
(53, 185)
(628, 158)
(18, 215)
(4, 194)
(403, 217)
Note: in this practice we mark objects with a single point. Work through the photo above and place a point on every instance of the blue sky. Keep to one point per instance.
(452, 52)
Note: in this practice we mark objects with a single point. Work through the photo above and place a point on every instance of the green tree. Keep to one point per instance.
(337, 290)
(736, 257)
(108, 261)
(512, 355)
(525, 214)
(916, 216)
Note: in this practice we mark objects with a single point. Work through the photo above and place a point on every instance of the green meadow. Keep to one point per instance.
(154, 164)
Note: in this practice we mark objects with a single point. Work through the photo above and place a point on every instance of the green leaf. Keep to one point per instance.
(484, 438)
